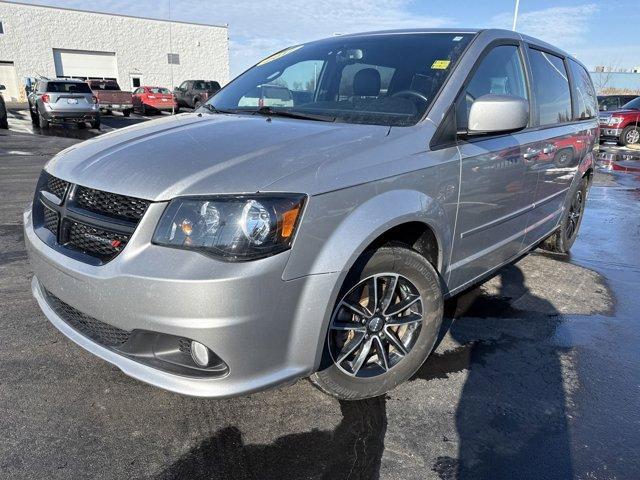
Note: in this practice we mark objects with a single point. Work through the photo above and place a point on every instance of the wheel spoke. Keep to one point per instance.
(387, 296)
(405, 320)
(396, 342)
(358, 310)
(382, 354)
(362, 356)
(402, 305)
(357, 327)
(375, 295)
(350, 347)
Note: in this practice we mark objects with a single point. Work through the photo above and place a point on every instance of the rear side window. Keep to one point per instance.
(500, 72)
(584, 93)
(551, 87)
(68, 87)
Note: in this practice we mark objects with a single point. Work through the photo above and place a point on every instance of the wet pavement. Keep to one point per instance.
(537, 376)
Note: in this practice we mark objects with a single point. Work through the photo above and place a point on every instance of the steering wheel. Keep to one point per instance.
(411, 93)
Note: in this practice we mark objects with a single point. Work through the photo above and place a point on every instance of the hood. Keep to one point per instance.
(204, 154)
(620, 111)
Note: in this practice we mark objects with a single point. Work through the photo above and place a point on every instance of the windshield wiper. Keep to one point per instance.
(270, 112)
(213, 109)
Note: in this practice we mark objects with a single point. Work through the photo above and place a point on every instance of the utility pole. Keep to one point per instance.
(515, 15)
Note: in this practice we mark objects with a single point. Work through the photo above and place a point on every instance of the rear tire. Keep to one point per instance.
(630, 136)
(96, 124)
(126, 113)
(563, 238)
(4, 122)
(34, 115)
(197, 104)
(43, 123)
(416, 326)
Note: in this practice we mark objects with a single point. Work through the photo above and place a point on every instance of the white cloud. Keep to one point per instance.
(565, 27)
(258, 29)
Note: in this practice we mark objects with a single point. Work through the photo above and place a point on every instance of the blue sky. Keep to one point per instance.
(598, 33)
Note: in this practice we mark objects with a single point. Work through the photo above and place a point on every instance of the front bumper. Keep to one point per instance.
(267, 330)
(610, 132)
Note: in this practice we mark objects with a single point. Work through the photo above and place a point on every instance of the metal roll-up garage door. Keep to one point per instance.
(85, 64)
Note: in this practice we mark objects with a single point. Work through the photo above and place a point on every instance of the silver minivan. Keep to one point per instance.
(241, 247)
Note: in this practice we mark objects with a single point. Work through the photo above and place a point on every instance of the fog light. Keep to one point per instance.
(199, 353)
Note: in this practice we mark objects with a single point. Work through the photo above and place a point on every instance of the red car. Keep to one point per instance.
(153, 99)
(623, 125)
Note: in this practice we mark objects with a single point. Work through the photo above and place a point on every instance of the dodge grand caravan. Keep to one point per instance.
(240, 247)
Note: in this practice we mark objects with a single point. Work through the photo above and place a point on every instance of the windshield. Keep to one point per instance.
(68, 87)
(633, 104)
(387, 79)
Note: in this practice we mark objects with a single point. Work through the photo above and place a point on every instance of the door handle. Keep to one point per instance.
(531, 153)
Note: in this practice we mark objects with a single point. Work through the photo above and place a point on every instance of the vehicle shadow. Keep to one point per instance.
(353, 450)
(511, 419)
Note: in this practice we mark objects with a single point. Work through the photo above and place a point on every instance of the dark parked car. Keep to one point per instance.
(4, 123)
(193, 93)
(111, 97)
(613, 102)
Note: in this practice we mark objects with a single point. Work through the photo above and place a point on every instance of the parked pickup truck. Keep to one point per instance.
(193, 93)
(623, 125)
(110, 97)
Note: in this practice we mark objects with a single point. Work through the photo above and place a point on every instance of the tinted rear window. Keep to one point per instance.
(551, 86)
(68, 87)
(105, 86)
(159, 90)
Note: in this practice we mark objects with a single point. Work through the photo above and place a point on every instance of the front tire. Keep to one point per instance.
(630, 136)
(384, 325)
(563, 238)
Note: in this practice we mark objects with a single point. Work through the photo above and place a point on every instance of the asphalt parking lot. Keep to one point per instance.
(537, 374)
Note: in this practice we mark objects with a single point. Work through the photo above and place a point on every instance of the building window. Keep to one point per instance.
(173, 58)
(1, 30)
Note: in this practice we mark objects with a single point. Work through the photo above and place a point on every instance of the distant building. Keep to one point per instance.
(607, 82)
(48, 41)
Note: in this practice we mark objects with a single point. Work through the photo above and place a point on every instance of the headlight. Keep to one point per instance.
(615, 120)
(235, 228)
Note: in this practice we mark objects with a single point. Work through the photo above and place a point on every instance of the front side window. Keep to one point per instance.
(500, 72)
(551, 87)
(584, 93)
(378, 79)
(633, 104)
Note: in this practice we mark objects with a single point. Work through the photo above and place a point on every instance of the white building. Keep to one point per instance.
(49, 41)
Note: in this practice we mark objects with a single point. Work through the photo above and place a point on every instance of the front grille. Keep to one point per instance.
(111, 204)
(51, 220)
(98, 331)
(90, 225)
(95, 241)
(56, 186)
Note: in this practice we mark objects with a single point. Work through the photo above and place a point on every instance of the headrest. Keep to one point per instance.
(366, 83)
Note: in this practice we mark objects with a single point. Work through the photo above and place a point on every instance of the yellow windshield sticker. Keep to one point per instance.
(280, 54)
(440, 64)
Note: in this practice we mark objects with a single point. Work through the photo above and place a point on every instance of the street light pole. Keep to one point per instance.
(515, 15)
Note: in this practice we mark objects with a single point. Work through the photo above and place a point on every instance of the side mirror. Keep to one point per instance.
(497, 113)
(2, 87)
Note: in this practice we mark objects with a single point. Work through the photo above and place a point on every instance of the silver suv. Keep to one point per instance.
(63, 100)
(243, 246)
